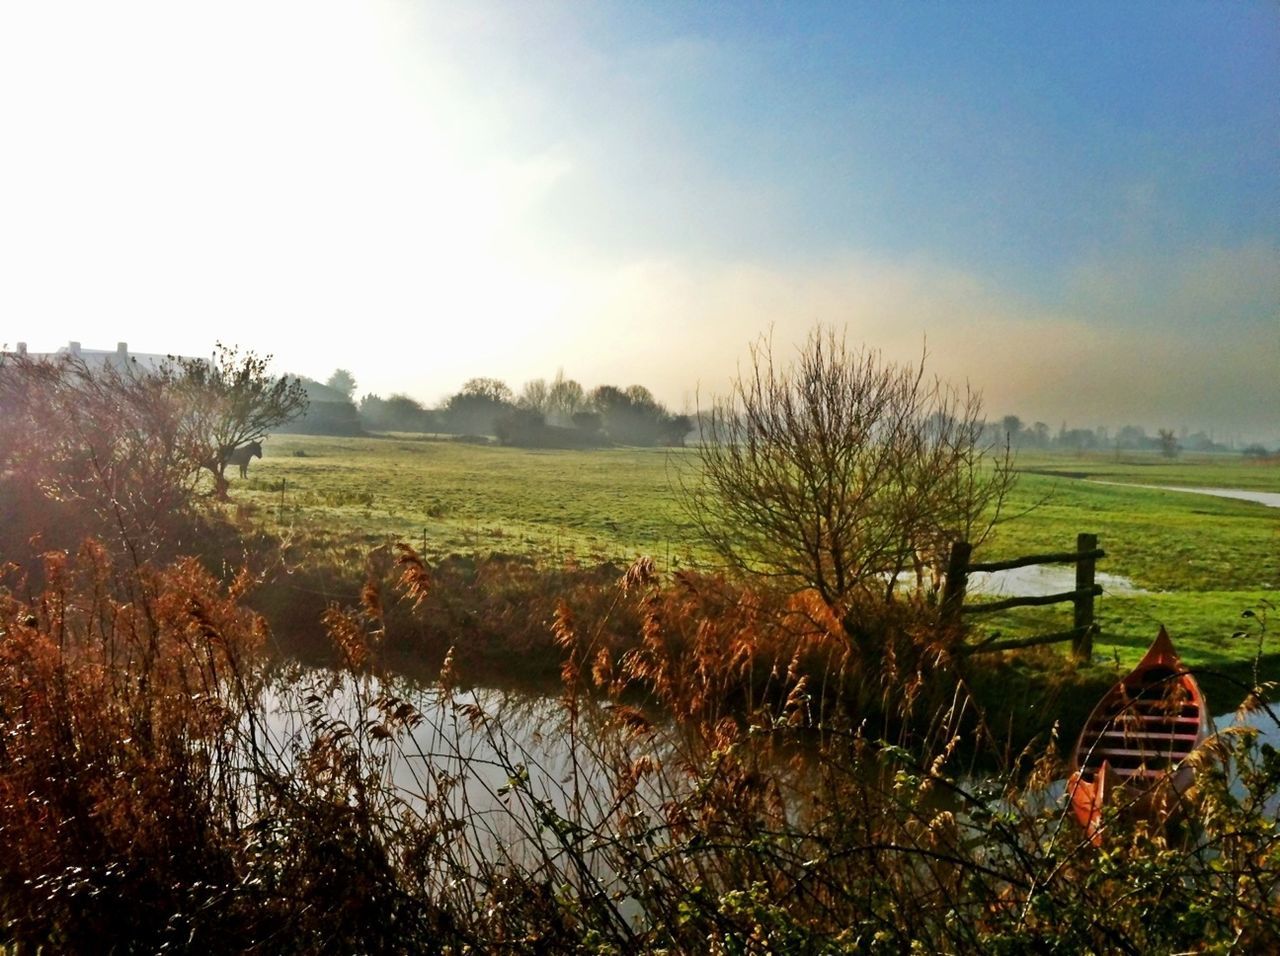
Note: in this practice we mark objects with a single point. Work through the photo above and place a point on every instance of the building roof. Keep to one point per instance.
(120, 356)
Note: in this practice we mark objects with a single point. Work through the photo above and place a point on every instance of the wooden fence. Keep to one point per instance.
(1085, 558)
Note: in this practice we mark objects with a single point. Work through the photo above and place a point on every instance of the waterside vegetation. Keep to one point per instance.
(735, 770)
(1192, 562)
(171, 789)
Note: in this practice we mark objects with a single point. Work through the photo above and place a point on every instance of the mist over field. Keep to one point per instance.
(1075, 208)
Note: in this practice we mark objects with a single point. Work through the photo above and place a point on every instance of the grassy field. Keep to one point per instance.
(593, 505)
(1198, 561)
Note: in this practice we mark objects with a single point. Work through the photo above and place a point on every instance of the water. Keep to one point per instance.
(1267, 727)
(491, 735)
(505, 771)
(1041, 579)
(1269, 499)
(501, 768)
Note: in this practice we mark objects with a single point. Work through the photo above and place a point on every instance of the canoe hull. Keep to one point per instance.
(1133, 749)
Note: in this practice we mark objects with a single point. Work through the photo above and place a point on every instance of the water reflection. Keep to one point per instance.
(520, 780)
(1270, 499)
(1267, 726)
(512, 778)
(1040, 579)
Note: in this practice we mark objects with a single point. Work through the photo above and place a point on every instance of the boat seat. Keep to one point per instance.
(1144, 735)
(1137, 752)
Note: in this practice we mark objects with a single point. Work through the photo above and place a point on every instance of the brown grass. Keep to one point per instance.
(721, 789)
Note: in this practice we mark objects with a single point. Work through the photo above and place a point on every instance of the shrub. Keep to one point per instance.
(843, 471)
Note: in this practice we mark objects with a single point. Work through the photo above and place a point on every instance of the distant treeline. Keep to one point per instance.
(555, 414)
(1011, 428)
(562, 414)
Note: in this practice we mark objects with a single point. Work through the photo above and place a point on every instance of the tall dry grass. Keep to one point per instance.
(162, 787)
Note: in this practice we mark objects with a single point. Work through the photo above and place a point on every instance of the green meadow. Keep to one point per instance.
(592, 506)
(1192, 562)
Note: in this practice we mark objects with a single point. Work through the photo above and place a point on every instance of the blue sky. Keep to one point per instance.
(1019, 140)
(1077, 206)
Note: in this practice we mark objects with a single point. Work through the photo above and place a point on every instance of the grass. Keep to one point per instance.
(1160, 540)
(1201, 560)
(455, 497)
(1205, 471)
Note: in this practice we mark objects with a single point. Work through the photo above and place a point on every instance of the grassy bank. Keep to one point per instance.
(1198, 561)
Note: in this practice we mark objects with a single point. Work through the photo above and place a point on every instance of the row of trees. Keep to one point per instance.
(544, 414)
(561, 412)
(1128, 438)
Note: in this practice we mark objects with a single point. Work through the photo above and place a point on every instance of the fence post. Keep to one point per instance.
(957, 582)
(1082, 643)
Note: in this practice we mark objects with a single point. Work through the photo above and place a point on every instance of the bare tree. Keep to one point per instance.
(842, 471)
(1169, 446)
(493, 389)
(108, 446)
(476, 408)
(534, 396)
(565, 398)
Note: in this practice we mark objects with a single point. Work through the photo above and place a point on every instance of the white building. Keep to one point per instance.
(121, 357)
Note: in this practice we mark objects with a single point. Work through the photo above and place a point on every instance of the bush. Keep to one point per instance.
(843, 472)
(111, 452)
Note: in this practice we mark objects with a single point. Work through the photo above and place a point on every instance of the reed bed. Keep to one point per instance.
(719, 786)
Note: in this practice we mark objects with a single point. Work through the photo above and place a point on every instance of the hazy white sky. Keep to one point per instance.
(1078, 206)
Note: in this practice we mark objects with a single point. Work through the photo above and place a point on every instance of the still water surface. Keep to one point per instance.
(473, 745)
(1270, 499)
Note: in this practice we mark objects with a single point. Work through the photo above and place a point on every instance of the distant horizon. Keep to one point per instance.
(1232, 437)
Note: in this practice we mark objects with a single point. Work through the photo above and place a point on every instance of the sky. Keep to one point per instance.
(1074, 208)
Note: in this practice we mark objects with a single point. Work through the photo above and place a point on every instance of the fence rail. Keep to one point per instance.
(1085, 558)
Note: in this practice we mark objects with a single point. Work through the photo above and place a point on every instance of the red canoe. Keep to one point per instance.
(1137, 739)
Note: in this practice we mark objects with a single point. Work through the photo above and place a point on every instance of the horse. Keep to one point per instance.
(240, 456)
